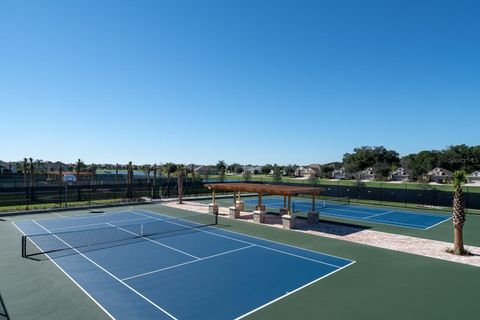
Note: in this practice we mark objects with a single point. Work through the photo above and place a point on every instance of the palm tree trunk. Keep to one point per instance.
(458, 239)
(458, 220)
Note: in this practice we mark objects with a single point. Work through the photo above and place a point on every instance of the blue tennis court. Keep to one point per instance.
(138, 264)
(339, 209)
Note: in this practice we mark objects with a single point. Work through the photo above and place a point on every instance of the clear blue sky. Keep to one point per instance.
(248, 81)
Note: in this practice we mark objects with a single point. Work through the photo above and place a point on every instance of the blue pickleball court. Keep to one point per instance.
(345, 210)
(141, 265)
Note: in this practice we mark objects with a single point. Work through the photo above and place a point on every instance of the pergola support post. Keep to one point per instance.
(288, 221)
(239, 203)
(213, 207)
(284, 210)
(313, 215)
(259, 216)
(234, 212)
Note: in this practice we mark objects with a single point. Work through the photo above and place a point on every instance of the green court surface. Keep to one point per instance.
(382, 284)
(441, 232)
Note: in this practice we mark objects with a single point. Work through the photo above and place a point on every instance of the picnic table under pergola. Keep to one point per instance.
(287, 191)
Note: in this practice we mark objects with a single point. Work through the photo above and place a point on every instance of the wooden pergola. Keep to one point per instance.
(266, 189)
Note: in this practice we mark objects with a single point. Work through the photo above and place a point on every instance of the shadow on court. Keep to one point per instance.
(330, 227)
(3, 310)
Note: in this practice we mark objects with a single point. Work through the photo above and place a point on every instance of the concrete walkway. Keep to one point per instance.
(413, 245)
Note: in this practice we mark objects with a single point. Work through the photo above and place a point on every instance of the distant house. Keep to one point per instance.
(366, 174)
(301, 172)
(308, 171)
(399, 175)
(253, 169)
(4, 170)
(314, 170)
(339, 174)
(205, 170)
(53, 166)
(439, 175)
(474, 177)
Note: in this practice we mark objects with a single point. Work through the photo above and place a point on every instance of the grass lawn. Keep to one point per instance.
(350, 183)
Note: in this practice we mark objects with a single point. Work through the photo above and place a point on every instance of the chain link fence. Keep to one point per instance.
(19, 194)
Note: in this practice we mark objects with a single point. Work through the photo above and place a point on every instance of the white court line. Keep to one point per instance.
(185, 263)
(254, 237)
(68, 276)
(385, 222)
(436, 224)
(94, 224)
(80, 216)
(151, 240)
(378, 214)
(294, 291)
(346, 210)
(246, 242)
(109, 273)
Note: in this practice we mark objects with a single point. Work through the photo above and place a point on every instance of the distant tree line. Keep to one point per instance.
(383, 161)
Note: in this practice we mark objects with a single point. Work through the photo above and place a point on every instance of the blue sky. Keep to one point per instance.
(243, 81)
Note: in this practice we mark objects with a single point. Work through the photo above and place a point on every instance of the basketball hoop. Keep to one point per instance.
(69, 179)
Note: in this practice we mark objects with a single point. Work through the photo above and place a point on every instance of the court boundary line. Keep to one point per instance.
(110, 274)
(54, 230)
(262, 239)
(294, 291)
(78, 216)
(402, 210)
(258, 245)
(378, 214)
(69, 277)
(154, 241)
(394, 224)
(185, 263)
(436, 224)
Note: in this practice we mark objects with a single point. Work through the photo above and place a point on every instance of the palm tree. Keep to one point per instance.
(32, 177)
(154, 182)
(169, 168)
(80, 166)
(115, 183)
(458, 215)
(94, 176)
(25, 172)
(181, 175)
(129, 191)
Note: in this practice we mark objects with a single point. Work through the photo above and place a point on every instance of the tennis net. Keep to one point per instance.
(334, 202)
(108, 234)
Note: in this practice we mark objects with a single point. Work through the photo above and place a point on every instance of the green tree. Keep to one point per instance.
(376, 157)
(419, 164)
(221, 168)
(277, 173)
(247, 175)
(458, 213)
(267, 168)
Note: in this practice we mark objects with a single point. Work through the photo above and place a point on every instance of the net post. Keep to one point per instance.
(24, 246)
